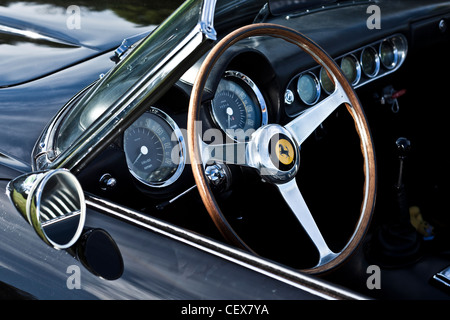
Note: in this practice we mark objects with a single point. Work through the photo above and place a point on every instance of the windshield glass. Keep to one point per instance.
(130, 71)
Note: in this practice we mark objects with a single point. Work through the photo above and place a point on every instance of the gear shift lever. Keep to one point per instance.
(397, 243)
(403, 148)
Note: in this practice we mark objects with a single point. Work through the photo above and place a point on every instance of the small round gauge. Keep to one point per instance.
(388, 54)
(370, 62)
(326, 82)
(308, 88)
(351, 69)
(238, 106)
(154, 149)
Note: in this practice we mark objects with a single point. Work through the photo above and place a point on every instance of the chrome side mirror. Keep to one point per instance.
(53, 203)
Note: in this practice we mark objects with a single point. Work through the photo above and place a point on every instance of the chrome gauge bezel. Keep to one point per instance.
(316, 90)
(176, 136)
(375, 60)
(322, 84)
(295, 105)
(242, 79)
(356, 69)
(394, 53)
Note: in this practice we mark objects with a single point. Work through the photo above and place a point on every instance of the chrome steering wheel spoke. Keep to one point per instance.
(236, 153)
(305, 124)
(293, 197)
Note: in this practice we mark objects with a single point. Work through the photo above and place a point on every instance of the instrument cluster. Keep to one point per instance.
(360, 67)
(154, 147)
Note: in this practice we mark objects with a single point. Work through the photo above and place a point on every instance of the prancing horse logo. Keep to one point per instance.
(284, 151)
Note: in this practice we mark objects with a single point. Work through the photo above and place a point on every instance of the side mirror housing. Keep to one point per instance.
(53, 203)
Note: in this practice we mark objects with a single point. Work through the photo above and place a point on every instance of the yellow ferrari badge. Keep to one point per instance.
(285, 151)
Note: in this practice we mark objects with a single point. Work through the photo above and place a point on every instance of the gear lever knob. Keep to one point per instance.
(403, 146)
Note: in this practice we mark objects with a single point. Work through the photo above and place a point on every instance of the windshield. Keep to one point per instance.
(112, 103)
(115, 84)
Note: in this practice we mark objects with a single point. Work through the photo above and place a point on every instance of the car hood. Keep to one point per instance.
(39, 39)
(47, 56)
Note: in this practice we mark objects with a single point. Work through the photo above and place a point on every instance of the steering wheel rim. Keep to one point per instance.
(344, 93)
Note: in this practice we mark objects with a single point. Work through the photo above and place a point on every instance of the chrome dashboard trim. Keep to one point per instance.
(402, 52)
(398, 40)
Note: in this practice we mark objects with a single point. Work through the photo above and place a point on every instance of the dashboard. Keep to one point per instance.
(241, 99)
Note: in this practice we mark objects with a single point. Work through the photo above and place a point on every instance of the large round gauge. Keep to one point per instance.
(308, 88)
(388, 54)
(370, 62)
(327, 83)
(238, 106)
(154, 149)
(351, 69)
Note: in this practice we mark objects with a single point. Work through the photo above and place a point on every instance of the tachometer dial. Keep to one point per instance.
(154, 149)
(238, 106)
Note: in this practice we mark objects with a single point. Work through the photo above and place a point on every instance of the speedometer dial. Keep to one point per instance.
(154, 149)
(238, 106)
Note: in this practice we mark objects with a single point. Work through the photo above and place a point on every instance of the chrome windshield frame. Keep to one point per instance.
(130, 105)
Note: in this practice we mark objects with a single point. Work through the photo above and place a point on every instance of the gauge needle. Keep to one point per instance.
(229, 113)
(144, 151)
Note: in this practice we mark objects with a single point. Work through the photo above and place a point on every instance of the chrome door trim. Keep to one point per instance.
(304, 282)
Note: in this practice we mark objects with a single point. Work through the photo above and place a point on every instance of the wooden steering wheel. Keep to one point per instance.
(280, 168)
